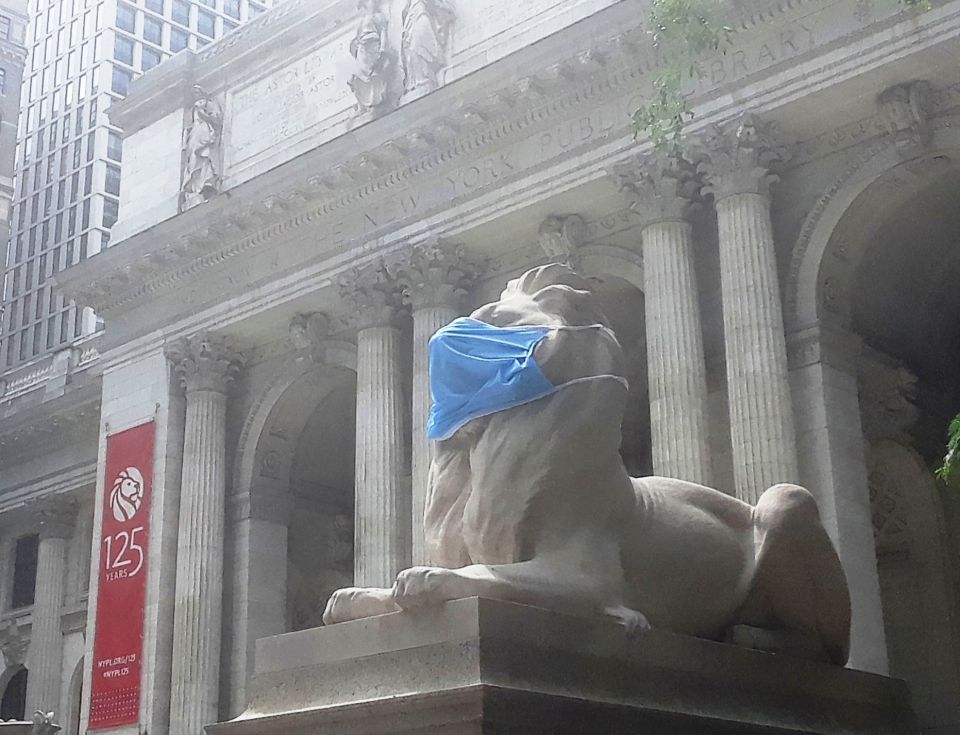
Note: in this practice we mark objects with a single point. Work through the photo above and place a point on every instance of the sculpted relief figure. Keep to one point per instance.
(370, 80)
(201, 150)
(528, 499)
(426, 33)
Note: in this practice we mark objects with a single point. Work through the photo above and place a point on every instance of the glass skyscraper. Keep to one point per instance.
(82, 55)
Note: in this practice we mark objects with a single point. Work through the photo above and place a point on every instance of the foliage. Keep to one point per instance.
(950, 469)
(684, 32)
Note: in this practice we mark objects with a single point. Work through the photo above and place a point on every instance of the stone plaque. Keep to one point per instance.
(308, 93)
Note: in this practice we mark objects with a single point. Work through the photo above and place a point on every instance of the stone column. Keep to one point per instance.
(382, 498)
(207, 364)
(45, 656)
(434, 280)
(735, 161)
(830, 439)
(662, 187)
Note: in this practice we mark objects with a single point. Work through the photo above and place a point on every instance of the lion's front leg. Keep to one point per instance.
(353, 603)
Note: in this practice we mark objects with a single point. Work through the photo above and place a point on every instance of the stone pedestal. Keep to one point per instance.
(207, 364)
(479, 666)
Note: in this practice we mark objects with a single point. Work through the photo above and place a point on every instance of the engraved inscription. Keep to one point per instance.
(300, 96)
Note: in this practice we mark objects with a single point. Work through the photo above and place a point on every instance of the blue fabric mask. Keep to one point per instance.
(477, 369)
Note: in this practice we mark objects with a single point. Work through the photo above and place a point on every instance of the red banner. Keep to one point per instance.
(121, 596)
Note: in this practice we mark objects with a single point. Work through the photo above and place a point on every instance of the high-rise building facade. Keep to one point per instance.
(13, 30)
(82, 56)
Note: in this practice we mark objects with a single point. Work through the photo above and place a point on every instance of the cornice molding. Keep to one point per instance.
(578, 82)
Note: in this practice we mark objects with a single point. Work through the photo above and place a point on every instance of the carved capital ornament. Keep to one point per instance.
(664, 187)
(205, 361)
(372, 297)
(435, 273)
(738, 157)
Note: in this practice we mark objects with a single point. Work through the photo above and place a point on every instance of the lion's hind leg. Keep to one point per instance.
(799, 602)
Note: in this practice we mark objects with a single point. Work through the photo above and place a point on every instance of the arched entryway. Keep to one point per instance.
(13, 684)
(874, 278)
(291, 532)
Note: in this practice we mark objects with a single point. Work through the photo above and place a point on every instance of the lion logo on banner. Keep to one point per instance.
(126, 497)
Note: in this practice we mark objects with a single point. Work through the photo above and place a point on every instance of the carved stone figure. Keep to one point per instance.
(201, 150)
(423, 47)
(43, 724)
(906, 111)
(532, 504)
(375, 66)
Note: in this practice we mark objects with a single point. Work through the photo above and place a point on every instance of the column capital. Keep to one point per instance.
(55, 517)
(205, 361)
(435, 273)
(664, 187)
(737, 157)
(371, 296)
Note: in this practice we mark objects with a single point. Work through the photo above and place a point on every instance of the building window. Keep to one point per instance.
(209, 3)
(4, 27)
(25, 566)
(120, 82)
(3, 80)
(149, 58)
(126, 17)
(205, 23)
(112, 181)
(123, 49)
(178, 42)
(232, 8)
(180, 12)
(155, 5)
(114, 146)
(111, 209)
(153, 30)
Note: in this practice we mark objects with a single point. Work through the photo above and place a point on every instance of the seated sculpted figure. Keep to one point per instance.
(529, 501)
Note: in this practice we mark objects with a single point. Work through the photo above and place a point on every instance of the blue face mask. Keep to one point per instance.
(477, 369)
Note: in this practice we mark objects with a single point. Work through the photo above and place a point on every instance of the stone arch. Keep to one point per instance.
(71, 719)
(13, 691)
(806, 285)
(600, 260)
(910, 532)
(299, 379)
(258, 530)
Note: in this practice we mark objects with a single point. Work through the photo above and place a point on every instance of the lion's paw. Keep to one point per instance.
(631, 621)
(421, 586)
(352, 603)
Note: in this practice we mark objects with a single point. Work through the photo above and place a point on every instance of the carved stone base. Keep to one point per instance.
(478, 666)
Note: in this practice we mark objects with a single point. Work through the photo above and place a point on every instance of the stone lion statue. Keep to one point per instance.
(528, 499)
